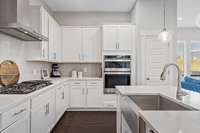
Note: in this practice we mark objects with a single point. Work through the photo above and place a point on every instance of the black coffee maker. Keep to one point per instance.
(55, 73)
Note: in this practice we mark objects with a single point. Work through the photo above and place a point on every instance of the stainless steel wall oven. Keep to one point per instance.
(117, 71)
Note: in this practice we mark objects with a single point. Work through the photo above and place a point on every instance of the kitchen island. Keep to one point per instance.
(163, 121)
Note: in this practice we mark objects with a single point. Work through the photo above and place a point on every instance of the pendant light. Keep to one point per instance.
(164, 36)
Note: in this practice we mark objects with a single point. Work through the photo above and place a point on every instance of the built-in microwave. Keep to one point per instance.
(117, 71)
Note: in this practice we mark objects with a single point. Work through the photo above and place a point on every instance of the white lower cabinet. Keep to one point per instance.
(43, 112)
(125, 127)
(60, 101)
(67, 98)
(16, 120)
(110, 101)
(20, 126)
(86, 94)
(94, 96)
(77, 94)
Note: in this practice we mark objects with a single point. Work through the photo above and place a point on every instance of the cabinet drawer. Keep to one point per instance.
(36, 101)
(77, 83)
(14, 114)
(94, 83)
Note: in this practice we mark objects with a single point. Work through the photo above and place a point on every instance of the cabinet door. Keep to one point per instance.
(67, 98)
(125, 37)
(45, 22)
(43, 117)
(20, 126)
(52, 54)
(60, 102)
(110, 37)
(71, 44)
(94, 96)
(45, 51)
(57, 41)
(77, 96)
(91, 45)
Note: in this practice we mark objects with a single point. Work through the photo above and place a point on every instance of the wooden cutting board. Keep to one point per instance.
(9, 73)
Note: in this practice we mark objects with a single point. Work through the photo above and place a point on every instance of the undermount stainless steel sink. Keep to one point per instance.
(131, 106)
(158, 102)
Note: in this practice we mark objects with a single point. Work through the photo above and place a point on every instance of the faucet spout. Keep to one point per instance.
(162, 77)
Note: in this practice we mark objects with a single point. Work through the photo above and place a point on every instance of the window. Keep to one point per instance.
(180, 55)
(188, 58)
(195, 58)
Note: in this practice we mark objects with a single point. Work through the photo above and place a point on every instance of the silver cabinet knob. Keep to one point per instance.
(147, 78)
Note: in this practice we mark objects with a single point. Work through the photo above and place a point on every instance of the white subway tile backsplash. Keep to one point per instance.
(14, 49)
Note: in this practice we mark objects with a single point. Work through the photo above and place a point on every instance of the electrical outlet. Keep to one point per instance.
(35, 72)
(85, 69)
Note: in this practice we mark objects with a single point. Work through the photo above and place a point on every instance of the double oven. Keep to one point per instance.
(117, 72)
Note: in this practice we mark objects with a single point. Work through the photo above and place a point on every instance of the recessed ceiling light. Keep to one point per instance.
(179, 18)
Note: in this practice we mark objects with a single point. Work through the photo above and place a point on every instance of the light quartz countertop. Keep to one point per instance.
(8, 101)
(168, 121)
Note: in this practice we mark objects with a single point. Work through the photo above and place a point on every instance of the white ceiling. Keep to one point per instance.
(91, 5)
(188, 13)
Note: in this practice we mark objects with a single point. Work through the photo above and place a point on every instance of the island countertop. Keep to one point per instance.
(168, 121)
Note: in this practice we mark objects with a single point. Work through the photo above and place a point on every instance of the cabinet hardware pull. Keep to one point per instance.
(47, 109)
(63, 95)
(17, 113)
(43, 53)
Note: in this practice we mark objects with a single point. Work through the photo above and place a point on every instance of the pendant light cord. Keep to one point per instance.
(164, 13)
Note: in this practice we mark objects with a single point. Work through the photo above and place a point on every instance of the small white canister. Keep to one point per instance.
(80, 75)
(74, 74)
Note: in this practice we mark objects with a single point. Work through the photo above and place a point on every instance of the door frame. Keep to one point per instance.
(153, 33)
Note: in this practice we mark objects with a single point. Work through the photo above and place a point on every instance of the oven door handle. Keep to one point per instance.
(118, 73)
(117, 60)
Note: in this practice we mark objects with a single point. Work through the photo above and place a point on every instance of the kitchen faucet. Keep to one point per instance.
(179, 93)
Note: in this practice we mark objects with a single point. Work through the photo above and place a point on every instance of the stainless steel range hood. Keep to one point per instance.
(15, 20)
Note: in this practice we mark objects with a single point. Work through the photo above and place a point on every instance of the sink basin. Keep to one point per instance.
(158, 102)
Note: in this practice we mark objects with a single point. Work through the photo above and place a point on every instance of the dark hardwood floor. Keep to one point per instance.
(87, 122)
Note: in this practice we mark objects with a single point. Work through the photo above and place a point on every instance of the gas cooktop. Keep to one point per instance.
(25, 87)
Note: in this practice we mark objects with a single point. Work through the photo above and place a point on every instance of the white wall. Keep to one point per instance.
(90, 18)
(188, 34)
(14, 49)
(149, 17)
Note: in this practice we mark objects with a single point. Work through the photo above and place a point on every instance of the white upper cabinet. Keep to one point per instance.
(54, 40)
(71, 44)
(40, 23)
(81, 44)
(119, 37)
(125, 37)
(91, 45)
(44, 22)
(110, 37)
